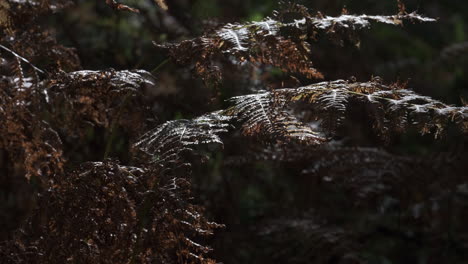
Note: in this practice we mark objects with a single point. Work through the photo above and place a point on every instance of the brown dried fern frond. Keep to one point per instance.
(276, 117)
(267, 117)
(104, 212)
(24, 35)
(33, 148)
(19, 15)
(392, 109)
(101, 98)
(283, 40)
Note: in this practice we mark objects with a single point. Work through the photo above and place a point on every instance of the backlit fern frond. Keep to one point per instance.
(263, 116)
(276, 116)
(391, 107)
(282, 40)
(142, 209)
(357, 22)
(31, 146)
(167, 141)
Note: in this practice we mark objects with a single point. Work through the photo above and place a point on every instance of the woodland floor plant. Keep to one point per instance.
(69, 196)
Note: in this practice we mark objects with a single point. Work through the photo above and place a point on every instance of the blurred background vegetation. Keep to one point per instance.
(431, 58)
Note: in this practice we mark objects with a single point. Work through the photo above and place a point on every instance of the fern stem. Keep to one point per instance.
(160, 65)
(112, 127)
(21, 58)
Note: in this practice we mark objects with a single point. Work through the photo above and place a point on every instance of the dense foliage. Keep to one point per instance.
(231, 146)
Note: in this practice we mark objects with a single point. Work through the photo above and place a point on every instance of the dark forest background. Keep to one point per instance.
(254, 200)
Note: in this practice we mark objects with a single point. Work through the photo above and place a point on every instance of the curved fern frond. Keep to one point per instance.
(271, 116)
(353, 22)
(403, 106)
(167, 141)
(266, 117)
(276, 40)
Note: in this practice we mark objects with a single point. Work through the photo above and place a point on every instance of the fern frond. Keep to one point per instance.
(167, 141)
(402, 105)
(271, 114)
(365, 175)
(33, 147)
(358, 22)
(309, 240)
(22, 33)
(276, 40)
(236, 36)
(102, 98)
(266, 117)
(108, 213)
